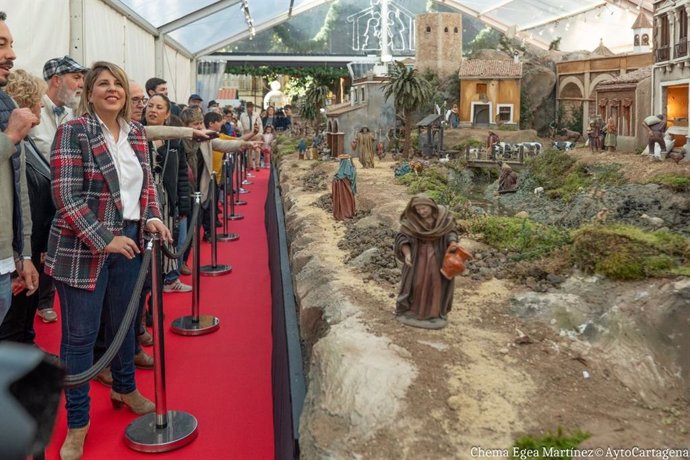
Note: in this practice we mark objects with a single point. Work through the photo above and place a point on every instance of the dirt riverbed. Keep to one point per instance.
(491, 375)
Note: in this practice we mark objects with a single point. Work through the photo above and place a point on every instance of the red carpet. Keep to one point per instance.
(223, 378)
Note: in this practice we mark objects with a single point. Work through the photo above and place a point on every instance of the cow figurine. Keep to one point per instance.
(564, 145)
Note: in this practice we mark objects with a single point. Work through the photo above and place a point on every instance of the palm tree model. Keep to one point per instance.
(409, 92)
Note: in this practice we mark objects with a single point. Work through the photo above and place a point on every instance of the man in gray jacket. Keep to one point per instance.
(15, 215)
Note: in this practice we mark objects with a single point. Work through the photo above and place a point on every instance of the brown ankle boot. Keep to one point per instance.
(73, 447)
(134, 400)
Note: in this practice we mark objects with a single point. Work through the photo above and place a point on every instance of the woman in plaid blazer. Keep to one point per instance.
(105, 197)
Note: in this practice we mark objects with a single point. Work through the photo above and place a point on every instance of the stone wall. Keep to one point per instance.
(439, 43)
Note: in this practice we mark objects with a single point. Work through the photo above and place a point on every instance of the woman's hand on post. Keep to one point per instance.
(156, 226)
(123, 245)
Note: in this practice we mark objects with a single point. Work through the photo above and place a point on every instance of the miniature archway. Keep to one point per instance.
(573, 81)
(595, 82)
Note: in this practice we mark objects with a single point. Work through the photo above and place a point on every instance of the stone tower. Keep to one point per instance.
(438, 43)
(642, 34)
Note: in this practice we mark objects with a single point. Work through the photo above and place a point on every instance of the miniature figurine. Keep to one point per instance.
(508, 180)
(593, 137)
(380, 151)
(611, 138)
(364, 142)
(492, 139)
(343, 189)
(302, 148)
(427, 232)
(656, 126)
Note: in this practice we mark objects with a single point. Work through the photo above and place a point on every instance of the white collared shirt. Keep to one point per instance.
(44, 133)
(129, 172)
(7, 266)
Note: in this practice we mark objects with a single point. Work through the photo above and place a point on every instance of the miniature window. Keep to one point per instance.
(637, 39)
(445, 29)
(362, 94)
(455, 30)
(505, 113)
(355, 95)
(481, 89)
(428, 28)
(682, 24)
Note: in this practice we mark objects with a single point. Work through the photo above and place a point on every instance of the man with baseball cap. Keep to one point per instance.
(65, 78)
(195, 101)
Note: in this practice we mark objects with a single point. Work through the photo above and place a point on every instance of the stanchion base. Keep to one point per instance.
(240, 202)
(185, 325)
(218, 270)
(227, 236)
(235, 217)
(144, 436)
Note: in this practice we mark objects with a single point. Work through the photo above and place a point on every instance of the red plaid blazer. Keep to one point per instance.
(86, 192)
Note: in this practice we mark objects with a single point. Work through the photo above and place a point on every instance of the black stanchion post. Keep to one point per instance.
(214, 269)
(238, 170)
(195, 324)
(231, 176)
(163, 430)
(226, 236)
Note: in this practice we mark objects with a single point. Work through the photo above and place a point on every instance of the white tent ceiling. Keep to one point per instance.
(201, 27)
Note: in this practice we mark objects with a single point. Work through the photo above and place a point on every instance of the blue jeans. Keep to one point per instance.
(81, 317)
(182, 235)
(5, 294)
(173, 275)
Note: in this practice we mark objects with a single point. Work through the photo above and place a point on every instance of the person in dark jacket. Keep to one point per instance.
(18, 326)
(15, 216)
(170, 171)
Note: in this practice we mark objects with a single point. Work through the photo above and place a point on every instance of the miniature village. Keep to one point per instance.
(567, 317)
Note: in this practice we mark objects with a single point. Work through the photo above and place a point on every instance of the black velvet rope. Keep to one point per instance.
(75, 380)
(169, 252)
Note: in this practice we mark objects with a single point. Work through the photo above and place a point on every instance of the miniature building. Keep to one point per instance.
(489, 92)
(431, 141)
(577, 80)
(367, 107)
(671, 71)
(439, 43)
(642, 34)
(627, 100)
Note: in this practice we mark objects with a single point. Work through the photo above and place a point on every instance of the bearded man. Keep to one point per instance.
(65, 78)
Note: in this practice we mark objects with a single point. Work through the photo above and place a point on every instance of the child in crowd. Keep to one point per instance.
(269, 138)
(214, 122)
(229, 125)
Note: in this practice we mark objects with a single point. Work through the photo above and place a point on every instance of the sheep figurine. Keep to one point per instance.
(653, 221)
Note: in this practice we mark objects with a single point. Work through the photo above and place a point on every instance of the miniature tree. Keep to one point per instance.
(409, 92)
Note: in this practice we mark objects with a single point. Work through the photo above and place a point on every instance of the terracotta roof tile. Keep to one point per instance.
(642, 22)
(630, 77)
(490, 68)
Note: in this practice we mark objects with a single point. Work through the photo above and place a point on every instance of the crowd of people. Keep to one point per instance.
(89, 161)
